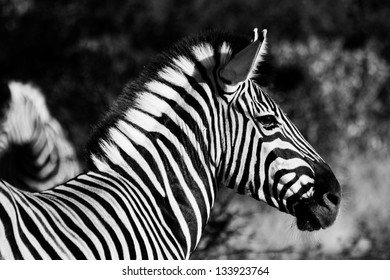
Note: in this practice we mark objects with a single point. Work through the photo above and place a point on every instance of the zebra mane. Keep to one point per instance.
(134, 90)
(183, 48)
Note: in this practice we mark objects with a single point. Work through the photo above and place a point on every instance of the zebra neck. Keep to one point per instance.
(171, 168)
(169, 150)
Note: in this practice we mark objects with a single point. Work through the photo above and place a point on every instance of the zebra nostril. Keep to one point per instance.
(332, 199)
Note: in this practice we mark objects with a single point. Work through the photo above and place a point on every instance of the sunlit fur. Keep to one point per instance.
(34, 152)
(156, 161)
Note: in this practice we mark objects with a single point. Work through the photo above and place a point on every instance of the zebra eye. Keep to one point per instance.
(268, 121)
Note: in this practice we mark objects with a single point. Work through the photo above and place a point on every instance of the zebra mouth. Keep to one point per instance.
(308, 222)
(313, 215)
(308, 217)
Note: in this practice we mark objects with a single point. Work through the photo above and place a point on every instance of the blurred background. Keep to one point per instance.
(331, 76)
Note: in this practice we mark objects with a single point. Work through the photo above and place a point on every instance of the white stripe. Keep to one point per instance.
(19, 226)
(64, 228)
(58, 243)
(141, 140)
(174, 204)
(242, 161)
(130, 206)
(132, 152)
(226, 53)
(103, 214)
(182, 149)
(114, 155)
(186, 65)
(173, 76)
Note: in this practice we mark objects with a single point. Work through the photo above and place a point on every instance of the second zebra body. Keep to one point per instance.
(35, 153)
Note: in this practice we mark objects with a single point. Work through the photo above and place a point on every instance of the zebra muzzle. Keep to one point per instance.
(313, 215)
(319, 210)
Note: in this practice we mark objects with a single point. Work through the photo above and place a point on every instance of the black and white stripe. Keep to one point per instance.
(192, 122)
(34, 152)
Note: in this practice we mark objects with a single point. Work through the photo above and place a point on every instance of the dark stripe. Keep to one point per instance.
(238, 157)
(108, 207)
(120, 199)
(191, 151)
(33, 229)
(88, 223)
(298, 171)
(37, 232)
(77, 253)
(113, 214)
(279, 198)
(141, 206)
(257, 175)
(242, 185)
(149, 158)
(8, 223)
(193, 125)
(183, 203)
(91, 208)
(292, 200)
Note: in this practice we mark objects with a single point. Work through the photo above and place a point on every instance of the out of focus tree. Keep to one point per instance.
(337, 97)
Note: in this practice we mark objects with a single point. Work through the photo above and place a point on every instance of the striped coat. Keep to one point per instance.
(194, 121)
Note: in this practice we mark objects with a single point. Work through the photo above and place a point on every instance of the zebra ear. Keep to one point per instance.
(244, 64)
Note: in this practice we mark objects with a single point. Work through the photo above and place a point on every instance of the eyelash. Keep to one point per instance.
(267, 121)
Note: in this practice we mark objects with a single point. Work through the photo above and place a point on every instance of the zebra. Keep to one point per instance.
(34, 152)
(195, 120)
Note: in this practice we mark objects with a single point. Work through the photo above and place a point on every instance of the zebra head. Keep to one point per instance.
(22, 108)
(266, 156)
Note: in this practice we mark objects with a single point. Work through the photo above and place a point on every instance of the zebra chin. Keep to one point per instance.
(319, 209)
